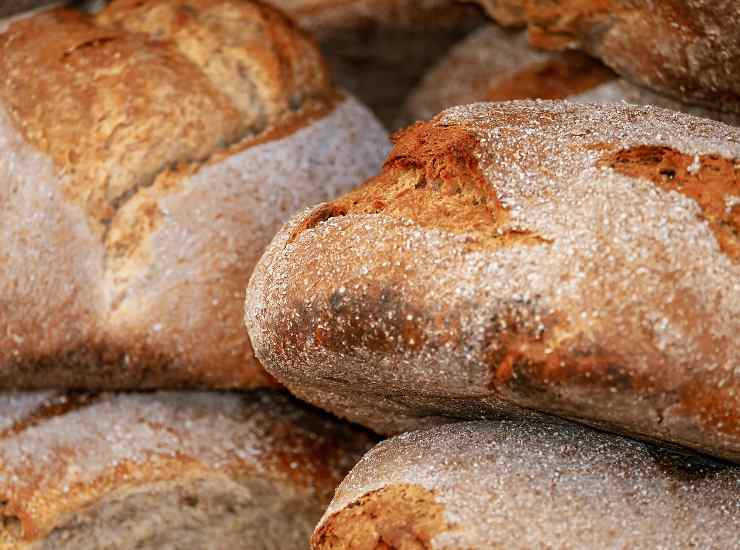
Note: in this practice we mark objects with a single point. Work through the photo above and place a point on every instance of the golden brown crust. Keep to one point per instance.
(104, 101)
(523, 485)
(685, 50)
(621, 312)
(87, 449)
(410, 517)
(150, 151)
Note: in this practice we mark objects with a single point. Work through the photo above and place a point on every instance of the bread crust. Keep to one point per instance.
(493, 64)
(126, 251)
(529, 485)
(687, 50)
(73, 454)
(521, 258)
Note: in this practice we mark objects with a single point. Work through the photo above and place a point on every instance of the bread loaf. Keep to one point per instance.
(493, 64)
(686, 49)
(520, 258)
(148, 155)
(167, 470)
(521, 485)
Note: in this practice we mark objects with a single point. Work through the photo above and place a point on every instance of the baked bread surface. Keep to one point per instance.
(493, 64)
(522, 258)
(175, 470)
(149, 154)
(527, 485)
(686, 49)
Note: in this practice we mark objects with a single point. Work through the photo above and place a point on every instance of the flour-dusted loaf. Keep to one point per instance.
(147, 156)
(686, 49)
(167, 470)
(522, 258)
(519, 485)
(493, 64)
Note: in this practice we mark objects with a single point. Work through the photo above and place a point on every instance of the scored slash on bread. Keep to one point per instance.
(149, 153)
(175, 470)
(516, 259)
(523, 485)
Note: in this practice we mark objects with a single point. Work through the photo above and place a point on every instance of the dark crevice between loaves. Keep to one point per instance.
(432, 178)
(709, 180)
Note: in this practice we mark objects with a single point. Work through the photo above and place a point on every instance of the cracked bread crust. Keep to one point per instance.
(494, 64)
(76, 466)
(139, 187)
(621, 310)
(687, 50)
(528, 485)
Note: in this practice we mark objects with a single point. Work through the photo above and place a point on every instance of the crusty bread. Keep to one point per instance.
(520, 485)
(493, 64)
(685, 49)
(148, 155)
(167, 470)
(576, 260)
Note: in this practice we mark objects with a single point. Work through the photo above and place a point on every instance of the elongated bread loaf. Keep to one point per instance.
(493, 64)
(686, 49)
(522, 258)
(523, 485)
(166, 470)
(147, 155)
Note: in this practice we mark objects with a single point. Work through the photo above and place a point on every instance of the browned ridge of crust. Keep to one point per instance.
(687, 50)
(86, 447)
(707, 179)
(557, 78)
(408, 301)
(410, 519)
(432, 177)
(105, 95)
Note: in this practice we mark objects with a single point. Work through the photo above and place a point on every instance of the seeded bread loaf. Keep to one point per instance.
(521, 258)
(167, 470)
(686, 49)
(523, 485)
(494, 64)
(149, 153)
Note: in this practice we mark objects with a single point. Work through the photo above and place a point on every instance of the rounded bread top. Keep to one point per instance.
(142, 88)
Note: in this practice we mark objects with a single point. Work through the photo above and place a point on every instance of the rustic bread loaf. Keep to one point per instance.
(149, 153)
(493, 64)
(685, 49)
(576, 260)
(379, 49)
(523, 485)
(167, 470)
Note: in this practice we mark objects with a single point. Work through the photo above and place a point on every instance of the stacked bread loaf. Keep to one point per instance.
(149, 152)
(535, 292)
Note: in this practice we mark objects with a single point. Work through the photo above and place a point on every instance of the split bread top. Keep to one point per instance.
(523, 485)
(83, 471)
(521, 258)
(149, 153)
